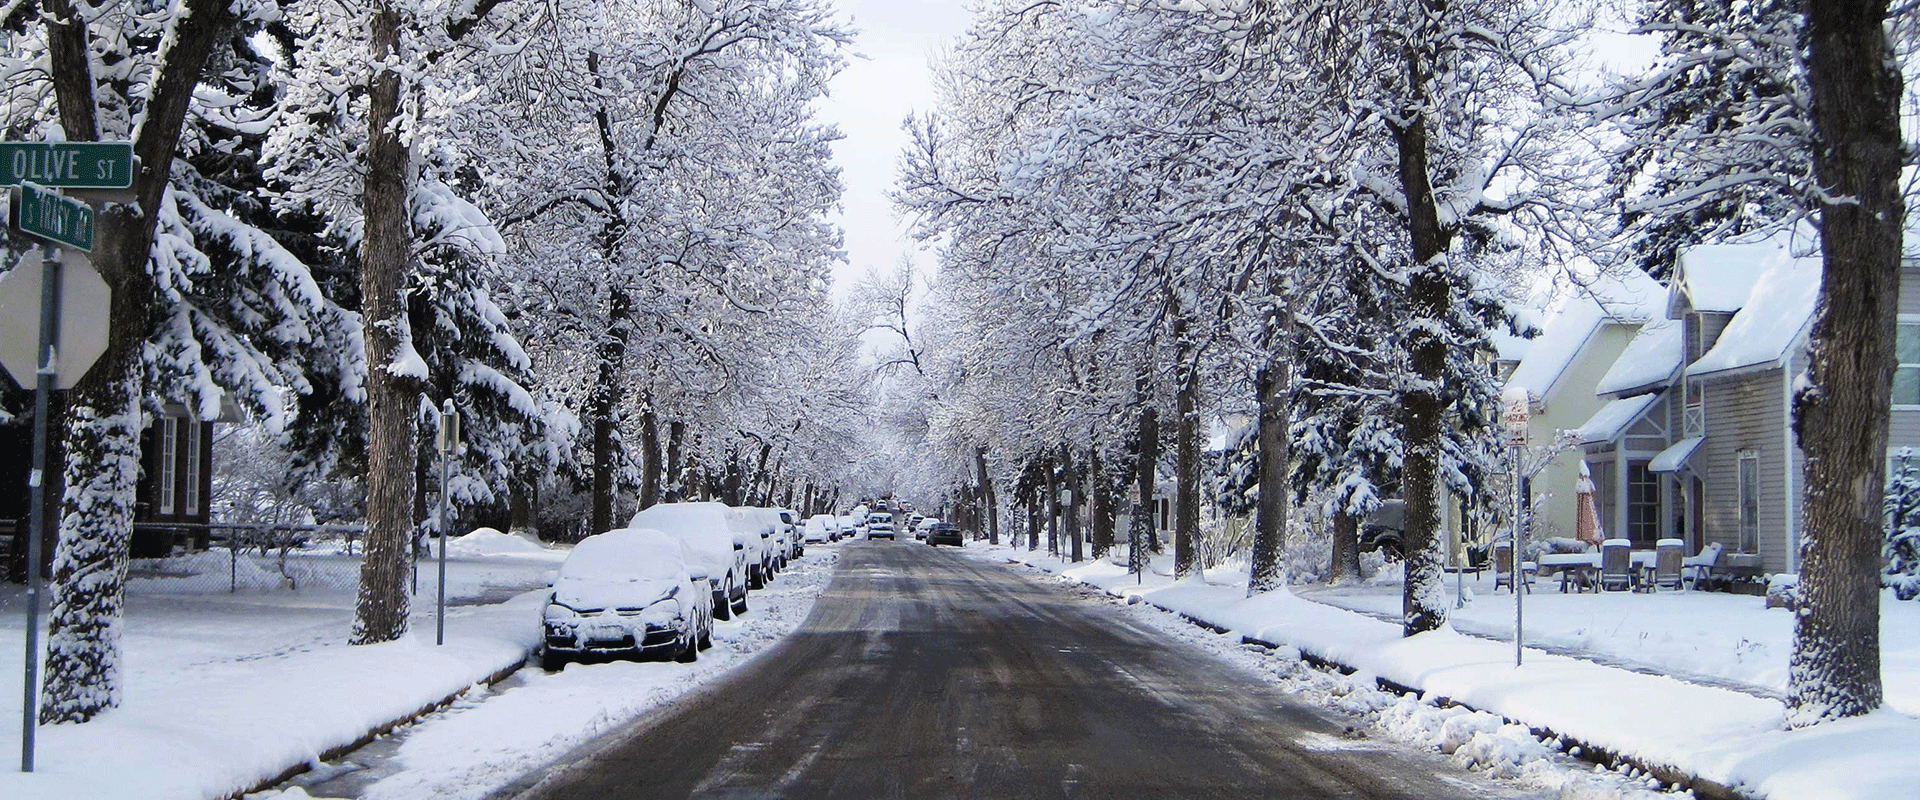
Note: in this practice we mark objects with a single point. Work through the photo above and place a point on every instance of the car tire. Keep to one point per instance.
(706, 636)
(740, 606)
(754, 580)
(690, 652)
(722, 603)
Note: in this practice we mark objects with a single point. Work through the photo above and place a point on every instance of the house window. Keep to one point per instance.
(193, 467)
(1749, 501)
(1906, 372)
(1643, 504)
(169, 450)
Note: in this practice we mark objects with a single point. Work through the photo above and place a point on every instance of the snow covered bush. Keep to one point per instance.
(1902, 552)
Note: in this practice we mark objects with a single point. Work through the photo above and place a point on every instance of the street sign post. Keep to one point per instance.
(70, 165)
(42, 212)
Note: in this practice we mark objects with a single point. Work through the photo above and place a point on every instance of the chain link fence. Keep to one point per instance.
(256, 558)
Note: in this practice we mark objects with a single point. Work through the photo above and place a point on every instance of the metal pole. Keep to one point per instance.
(446, 458)
(36, 480)
(1519, 556)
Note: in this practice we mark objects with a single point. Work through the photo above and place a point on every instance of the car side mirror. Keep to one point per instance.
(739, 546)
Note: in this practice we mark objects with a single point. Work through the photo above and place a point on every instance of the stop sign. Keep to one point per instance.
(85, 302)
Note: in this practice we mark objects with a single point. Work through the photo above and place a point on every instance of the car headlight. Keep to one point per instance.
(558, 611)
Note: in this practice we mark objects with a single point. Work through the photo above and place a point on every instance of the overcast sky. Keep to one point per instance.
(869, 100)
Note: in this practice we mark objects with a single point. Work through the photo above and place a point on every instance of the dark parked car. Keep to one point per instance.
(1381, 530)
(945, 533)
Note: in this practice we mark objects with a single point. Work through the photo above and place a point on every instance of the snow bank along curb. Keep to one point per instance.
(383, 729)
(1720, 743)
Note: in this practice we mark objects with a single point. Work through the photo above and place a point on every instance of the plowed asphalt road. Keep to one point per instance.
(926, 674)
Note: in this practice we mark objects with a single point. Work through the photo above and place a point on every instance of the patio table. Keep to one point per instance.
(1581, 567)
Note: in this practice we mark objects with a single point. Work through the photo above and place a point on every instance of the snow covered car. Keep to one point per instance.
(718, 555)
(821, 528)
(914, 523)
(940, 533)
(796, 543)
(752, 529)
(925, 523)
(880, 524)
(626, 593)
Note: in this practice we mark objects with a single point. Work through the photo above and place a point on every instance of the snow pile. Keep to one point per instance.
(490, 542)
(1728, 737)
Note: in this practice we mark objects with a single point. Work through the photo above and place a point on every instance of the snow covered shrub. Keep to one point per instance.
(1783, 591)
(1901, 554)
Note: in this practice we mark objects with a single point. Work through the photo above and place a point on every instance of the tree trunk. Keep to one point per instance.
(1186, 455)
(986, 486)
(609, 384)
(1270, 516)
(381, 614)
(1075, 492)
(649, 458)
(676, 488)
(1033, 524)
(104, 414)
(1346, 548)
(522, 495)
(1146, 472)
(1423, 600)
(1102, 504)
(1841, 417)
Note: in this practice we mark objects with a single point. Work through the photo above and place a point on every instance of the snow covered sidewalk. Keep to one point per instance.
(1714, 736)
(224, 690)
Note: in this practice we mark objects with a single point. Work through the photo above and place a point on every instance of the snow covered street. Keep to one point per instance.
(1722, 739)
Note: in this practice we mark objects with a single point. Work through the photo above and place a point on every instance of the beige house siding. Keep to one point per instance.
(1571, 403)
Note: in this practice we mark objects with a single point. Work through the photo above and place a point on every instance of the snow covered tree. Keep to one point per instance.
(1841, 410)
(207, 307)
(1902, 551)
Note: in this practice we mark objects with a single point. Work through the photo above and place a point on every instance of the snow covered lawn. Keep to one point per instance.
(1712, 634)
(1726, 737)
(224, 690)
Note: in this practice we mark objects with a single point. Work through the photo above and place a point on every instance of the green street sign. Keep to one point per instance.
(70, 165)
(42, 212)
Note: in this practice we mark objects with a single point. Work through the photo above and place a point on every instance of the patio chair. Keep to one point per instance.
(1665, 572)
(1697, 568)
(1616, 566)
(1503, 568)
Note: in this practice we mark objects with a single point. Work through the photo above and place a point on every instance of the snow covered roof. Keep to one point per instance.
(1606, 424)
(1675, 457)
(1718, 277)
(1776, 311)
(1630, 298)
(1649, 361)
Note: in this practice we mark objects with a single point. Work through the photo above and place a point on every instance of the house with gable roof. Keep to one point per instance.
(1578, 343)
(1695, 441)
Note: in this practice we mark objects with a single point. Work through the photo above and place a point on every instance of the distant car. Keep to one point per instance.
(914, 521)
(753, 528)
(626, 592)
(920, 531)
(880, 525)
(718, 555)
(796, 543)
(940, 533)
(821, 528)
(1383, 528)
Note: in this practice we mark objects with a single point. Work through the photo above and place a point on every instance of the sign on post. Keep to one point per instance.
(42, 212)
(68, 165)
(85, 301)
